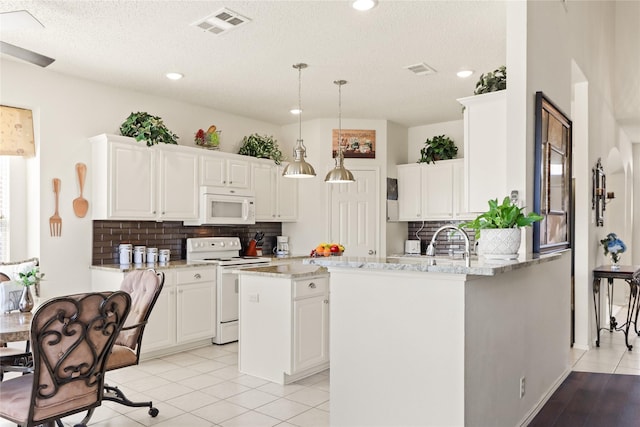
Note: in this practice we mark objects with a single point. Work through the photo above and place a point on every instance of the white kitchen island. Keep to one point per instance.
(414, 344)
(284, 321)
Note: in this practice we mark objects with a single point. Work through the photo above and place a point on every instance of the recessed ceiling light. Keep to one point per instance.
(463, 74)
(174, 76)
(364, 4)
(295, 111)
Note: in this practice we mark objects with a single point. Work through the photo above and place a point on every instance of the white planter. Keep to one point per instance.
(499, 243)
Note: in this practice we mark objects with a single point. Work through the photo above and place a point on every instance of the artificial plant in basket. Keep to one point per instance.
(439, 147)
(145, 127)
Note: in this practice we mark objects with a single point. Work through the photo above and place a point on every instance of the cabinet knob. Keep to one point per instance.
(312, 285)
(372, 252)
(230, 182)
(197, 276)
(326, 301)
(224, 182)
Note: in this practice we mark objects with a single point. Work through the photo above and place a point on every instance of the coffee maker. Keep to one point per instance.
(282, 246)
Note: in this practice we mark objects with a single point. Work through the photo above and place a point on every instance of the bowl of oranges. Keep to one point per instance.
(327, 249)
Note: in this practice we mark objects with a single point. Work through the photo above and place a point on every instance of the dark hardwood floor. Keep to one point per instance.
(594, 400)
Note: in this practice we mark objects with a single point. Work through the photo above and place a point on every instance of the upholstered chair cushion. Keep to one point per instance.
(142, 286)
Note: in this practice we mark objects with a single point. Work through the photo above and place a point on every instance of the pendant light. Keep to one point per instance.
(299, 168)
(339, 174)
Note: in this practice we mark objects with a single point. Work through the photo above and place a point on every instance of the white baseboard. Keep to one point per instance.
(532, 414)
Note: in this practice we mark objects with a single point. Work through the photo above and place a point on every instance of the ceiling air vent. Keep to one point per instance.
(221, 21)
(421, 69)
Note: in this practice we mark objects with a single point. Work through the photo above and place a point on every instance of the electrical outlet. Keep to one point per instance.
(522, 384)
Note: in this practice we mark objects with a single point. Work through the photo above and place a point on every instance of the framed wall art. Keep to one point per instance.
(356, 143)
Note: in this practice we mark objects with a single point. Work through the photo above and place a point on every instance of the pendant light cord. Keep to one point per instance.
(300, 103)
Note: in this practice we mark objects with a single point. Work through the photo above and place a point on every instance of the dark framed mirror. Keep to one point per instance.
(552, 177)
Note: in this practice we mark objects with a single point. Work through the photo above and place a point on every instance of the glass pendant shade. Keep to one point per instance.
(299, 168)
(339, 174)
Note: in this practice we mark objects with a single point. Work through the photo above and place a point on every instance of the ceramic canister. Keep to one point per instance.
(139, 254)
(152, 255)
(125, 251)
(164, 255)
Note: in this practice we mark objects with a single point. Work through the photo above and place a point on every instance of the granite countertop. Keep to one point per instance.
(479, 265)
(181, 263)
(288, 271)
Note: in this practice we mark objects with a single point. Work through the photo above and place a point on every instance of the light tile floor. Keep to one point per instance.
(612, 356)
(203, 387)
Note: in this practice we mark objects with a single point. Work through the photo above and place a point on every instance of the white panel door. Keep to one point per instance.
(354, 214)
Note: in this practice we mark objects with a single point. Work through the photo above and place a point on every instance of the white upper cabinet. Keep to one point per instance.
(220, 169)
(276, 196)
(131, 181)
(178, 180)
(429, 191)
(485, 149)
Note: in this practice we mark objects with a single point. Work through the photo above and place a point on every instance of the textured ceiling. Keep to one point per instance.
(248, 71)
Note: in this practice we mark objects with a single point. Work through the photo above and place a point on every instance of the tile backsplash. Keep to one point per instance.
(107, 235)
(443, 244)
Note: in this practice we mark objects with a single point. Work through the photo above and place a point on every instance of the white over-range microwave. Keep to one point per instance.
(220, 206)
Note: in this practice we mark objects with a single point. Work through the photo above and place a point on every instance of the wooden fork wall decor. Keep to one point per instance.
(55, 222)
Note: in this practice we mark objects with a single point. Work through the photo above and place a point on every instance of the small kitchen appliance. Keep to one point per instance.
(282, 246)
(225, 206)
(412, 247)
(225, 253)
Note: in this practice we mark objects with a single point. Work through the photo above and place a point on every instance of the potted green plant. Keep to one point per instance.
(261, 146)
(439, 147)
(144, 126)
(492, 81)
(498, 229)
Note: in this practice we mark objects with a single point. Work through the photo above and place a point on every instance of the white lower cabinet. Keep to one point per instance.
(284, 326)
(310, 331)
(184, 314)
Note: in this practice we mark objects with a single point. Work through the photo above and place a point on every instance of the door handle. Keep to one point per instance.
(236, 286)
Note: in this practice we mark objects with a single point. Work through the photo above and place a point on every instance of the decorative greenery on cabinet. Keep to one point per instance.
(144, 127)
(261, 146)
(492, 81)
(439, 147)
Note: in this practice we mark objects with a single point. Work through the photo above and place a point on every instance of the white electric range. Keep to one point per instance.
(225, 253)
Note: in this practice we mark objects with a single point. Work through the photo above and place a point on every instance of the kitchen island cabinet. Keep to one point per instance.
(284, 321)
(185, 312)
(446, 344)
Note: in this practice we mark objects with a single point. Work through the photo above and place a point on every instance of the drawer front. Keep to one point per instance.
(195, 275)
(310, 287)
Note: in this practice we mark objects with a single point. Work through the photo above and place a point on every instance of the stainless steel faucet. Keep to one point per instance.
(431, 249)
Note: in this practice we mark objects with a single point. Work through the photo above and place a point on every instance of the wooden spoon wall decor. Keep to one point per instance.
(80, 204)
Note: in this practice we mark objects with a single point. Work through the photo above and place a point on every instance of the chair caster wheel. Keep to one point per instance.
(153, 412)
